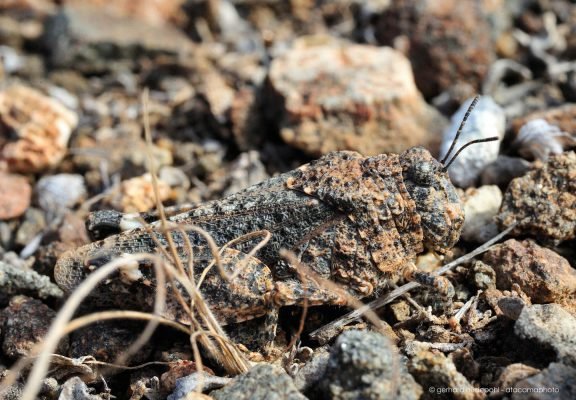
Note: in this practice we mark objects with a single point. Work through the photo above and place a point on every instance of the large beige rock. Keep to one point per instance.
(340, 96)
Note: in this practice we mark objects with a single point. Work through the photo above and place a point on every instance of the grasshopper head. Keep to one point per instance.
(436, 199)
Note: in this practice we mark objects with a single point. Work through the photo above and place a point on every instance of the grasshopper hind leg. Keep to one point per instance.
(439, 284)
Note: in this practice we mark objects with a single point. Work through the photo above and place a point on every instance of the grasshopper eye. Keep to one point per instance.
(422, 173)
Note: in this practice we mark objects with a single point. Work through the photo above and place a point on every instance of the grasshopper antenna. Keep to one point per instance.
(468, 112)
(490, 139)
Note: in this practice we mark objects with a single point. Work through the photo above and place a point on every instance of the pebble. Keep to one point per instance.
(537, 140)
(486, 120)
(366, 365)
(349, 97)
(245, 171)
(484, 276)
(105, 340)
(57, 193)
(75, 389)
(310, 375)
(557, 382)
(264, 381)
(514, 373)
(541, 273)
(32, 224)
(42, 128)
(24, 323)
(191, 383)
(179, 369)
(563, 117)
(548, 327)
(511, 307)
(502, 170)
(77, 37)
(17, 280)
(137, 194)
(110, 154)
(544, 200)
(15, 195)
(446, 41)
(10, 60)
(436, 372)
(481, 205)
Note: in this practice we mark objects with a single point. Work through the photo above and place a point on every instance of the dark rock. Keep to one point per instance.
(501, 171)
(310, 375)
(447, 41)
(366, 365)
(105, 341)
(263, 382)
(24, 323)
(511, 307)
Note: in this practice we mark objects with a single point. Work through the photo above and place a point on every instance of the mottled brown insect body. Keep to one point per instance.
(358, 221)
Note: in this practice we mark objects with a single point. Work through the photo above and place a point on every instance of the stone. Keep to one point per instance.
(438, 374)
(105, 341)
(38, 128)
(511, 307)
(349, 97)
(514, 373)
(262, 382)
(548, 327)
(541, 273)
(366, 365)
(537, 140)
(137, 194)
(543, 200)
(310, 375)
(486, 120)
(15, 195)
(193, 382)
(563, 117)
(24, 323)
(75, 389)
(557, 382)
(480, 209)
(16, 280)
(57, 193)
(179, 369)
(446, 41)
(502, 170)
(31, 226)
(77, 36)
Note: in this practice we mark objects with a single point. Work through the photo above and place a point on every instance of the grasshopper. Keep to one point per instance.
(359, 221)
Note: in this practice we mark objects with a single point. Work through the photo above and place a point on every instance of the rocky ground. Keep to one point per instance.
(241, 90)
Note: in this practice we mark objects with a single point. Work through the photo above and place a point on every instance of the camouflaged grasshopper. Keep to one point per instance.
(359, 221)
